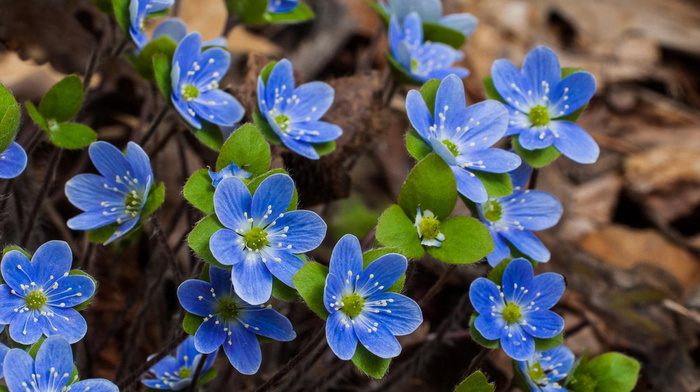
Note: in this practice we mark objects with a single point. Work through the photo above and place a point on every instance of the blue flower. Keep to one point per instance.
(138, 12)
(539, 99)
(510, 219)
(280, 6)
(229, 171)
(118, 195)
(176, 29)
(52, 371)
(230, 321)
(39, 295)
(422, 60)
(361, 310)
(428, 228)
(13, 161)
(430, 11)
(261, 240)
(294, 112)
(462, 135)
(175, 372)
(518, 311)
(546, 369)
(195, 82)
(3, 352)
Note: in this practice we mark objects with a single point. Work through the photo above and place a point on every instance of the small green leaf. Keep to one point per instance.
(9, 118)
(416, 146)
(310, 281)
(210, 135)
(496, 184)
(371, 255)
(102, 234)
(476, 382)
(265, 73)
(87, 302)
(247, 11)
(198, 239)
(282, 291)
(17, 248)
(265, 128)
(429, 92)
(71, 136)
(143, 62)
(614, 372)
(466, 241)
(255, 183)
(155, 199)
(401, 74)
(247, 148)
(490, 89)
(199, 191)
(396, 230)
(548, 344)
(479, 338)
(300, 13)
(161, 73)
(121, 13)
(208, 376)
(430, 185)
(369, 363)
(36, 116)
(62, 102)
(324, 148)
(535, 158)
(191, 323)
(438, 33)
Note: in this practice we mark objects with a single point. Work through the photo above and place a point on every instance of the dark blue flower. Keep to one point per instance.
(176, 29)
(518, 311)
(430, 11)
(294, 112)
(3, 352)
(229, 171)
(13, 161)
(195, 83)
(52, 371)
(118, 195)
(539, 99)
(422, 60)
(280, 6)
(230, 321)
(545, 371)
(462, 135)
(361, 310)
(39, 295)
(138, 12)
(510, 219)
(175, 372)
(261, 239)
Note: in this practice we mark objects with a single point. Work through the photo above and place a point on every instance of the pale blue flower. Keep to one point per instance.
(430, 11)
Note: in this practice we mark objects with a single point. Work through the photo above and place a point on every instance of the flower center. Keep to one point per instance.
(511, 313)
(282, 121)
(256, 238)
(52, 124)
(132, 203)
(536, 374)
(185, 372)
(227, 309)
(429, 227)
(415, 66)
(493, 211)
(36, 300)
(352, 305)
(451, 146)
(189, 92)
(539, 115)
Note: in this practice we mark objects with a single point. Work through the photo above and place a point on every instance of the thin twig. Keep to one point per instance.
(197, 372)
(92, 65)
(154, 125)
(133, 377)
(437, 286)
(48, 181)
(122, 45)
(160, 234)
(533, 178)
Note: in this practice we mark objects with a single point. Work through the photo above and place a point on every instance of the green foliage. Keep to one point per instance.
(430, 186)
(351, 216)
(247, 11)
(282, 291)
(401, 75)
(300, 13)
(71, 136)
(208, 376)
(416, 146)
(247, 148)
(161, 73)
(490, 89)
(397, 230)
(429, 92)
(199, 191)
(476, 382)
(369, 363)
(143, 62)
(265, 128)
(198, 239)
(609, 372)
(155, 199)
(438, 33)
(496, 184)
(209, 134)
(102, 234)
(466, 241)
(479, 338)
(9, 118)
(310, 282)
(121, 13)
(17, 248)
(63, 101)
(548, 344)
(535, 158)
(191, 322)
(36, 116)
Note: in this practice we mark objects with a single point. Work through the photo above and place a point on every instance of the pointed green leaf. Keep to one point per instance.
(496, 184)
(535, 158)
(282, 291)
(548, 344)
(416, 146)
(490, 90)
(210, 135)
(430, 185)
(396, 230)
(438, 33)
(71, 136)
(17, 248)
(191, 323)
(198, 239)
(324, 148)
(247, 148)
(9, 118)
(143, 62)
(102, 234)
(199, 191)
(161, 73)
(265, 128)
(369, 363)
(121, 13)
(310, 281)
(476, 382)
(36, 116)
(208, 376)
(429, 92)
(300, 13)
(155, 199)
(466, 241)
(62, 102)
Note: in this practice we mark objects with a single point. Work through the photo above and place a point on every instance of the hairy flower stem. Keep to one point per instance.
(154, 125)
(197, 373)
(48, 181)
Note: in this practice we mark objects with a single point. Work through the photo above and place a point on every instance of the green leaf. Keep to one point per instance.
(438, 33)
(36, 116)
(282, 291)
(255, 183)
(396, 230)
(429, 92)
(62, 102)
(614, 372)
(401, 74)
(87, 302)
(300, 13)
(371, 255)
(199, 191)
(476, 382)
(310, 281)
(430, 185)
(535, 158)
(324, 148)
(9, 118)
(466, 241)
(208, 376)
(17, 248)
(102, 234)
(416, 146)
(490, 89)
(191, 323)
(247, 11)
(71, 136)
(198, 239)
(265, 73)
(143, 62)
(548, 344)
(496, 184)
(121, 13)
(210, 135)
(369, 363)
(161, 73)
(247, 148)
(479, 338)
(496, 274)
(155, 199)
(265, 128)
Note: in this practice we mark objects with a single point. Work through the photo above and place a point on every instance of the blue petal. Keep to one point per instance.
(315, 131)
(196, 297)
(464, 23)
(94, 385)
(480, 125)
(67, 323)
(559, 358)
(185, 55)
(160, 5)
(243, 350)
(572, 93)
(173, 28)
(87, 192)
(418, 114)
(541, 67)
(534, 210)
(91, 220)
(511, 85)
(13, 161)
(221, 280)
(72, 291)
(252, 281)
(263, 105)
(405, 314)
(492, 160)
(500, 251)
(335, 287)
(450, 95)
(140, 163)
(442, 73)
(213, 65)
(340, 335)
(227, 247)
(272, 199)
(303, 230)
(412, 29)
(490, 327)
(302, 148)
(156, 384)
(574, 142)
(186, 349)
(536, 138)
(378, 340)
(543, 324)
(209, 336)
(108, 160)
(183, 108)
(381, 274)
(123, 229)
(346, 256)
(527, 243)
(54, 357)
(282, 264)
(218, 107)
(269, 323)
(218, 41)
(469, 185)
(516, 344)
(443, 151)
(518, 274)
(50, 261)
(232, 202)
(16, 270)
(28, 335)
(547, 289)
(280, 84)
(20, 372)
(3, 352)
(521, 176)
(279, 6)
(484, 295)
(313, 101)
(9, 302)
(395, 36)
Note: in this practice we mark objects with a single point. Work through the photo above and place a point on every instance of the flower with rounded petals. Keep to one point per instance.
(117, 195)
(517, 311)
(546, 371)
(462, 136)
(39, 295)
(261, 239)
(420, 59)
(230, 321)
(231, 170)
(510, 219)
(13, 161)
(430, 11)
(175, 372)
(294, 113)
(176, 30)
(51, 371)
(539, 101)
(361, 310)
(280, 6)
(195, 79)
(138, 12)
